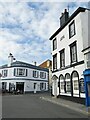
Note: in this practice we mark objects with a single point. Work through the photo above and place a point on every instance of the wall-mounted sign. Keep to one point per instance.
(62, 37)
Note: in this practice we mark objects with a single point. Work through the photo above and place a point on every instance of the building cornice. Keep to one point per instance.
(23, 79)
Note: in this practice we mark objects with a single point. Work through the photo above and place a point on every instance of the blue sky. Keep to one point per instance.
(26, 27)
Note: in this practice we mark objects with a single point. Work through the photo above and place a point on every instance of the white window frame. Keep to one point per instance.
(54, 44)
(43, 86)
(75, 91)
(55, 62)
(4, 73)
(72, 29)
(62, 85)
(35, 74)
(20, 72)
(62, 58)
(73, 52)
(68, 80)
(42, 75)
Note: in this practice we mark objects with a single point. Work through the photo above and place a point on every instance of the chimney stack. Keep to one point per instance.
(35, 63)
(10, 59)
(64, 17)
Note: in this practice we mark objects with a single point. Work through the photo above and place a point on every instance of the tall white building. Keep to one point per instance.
(68, 62)
(22, 76)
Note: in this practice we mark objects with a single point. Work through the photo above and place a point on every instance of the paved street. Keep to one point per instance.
(0, 106)
(32, 106)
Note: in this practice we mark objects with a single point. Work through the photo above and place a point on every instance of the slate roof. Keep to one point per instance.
(23, 64)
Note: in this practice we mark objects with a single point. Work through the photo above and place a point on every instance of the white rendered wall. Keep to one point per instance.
(29, 80)
(81, 33)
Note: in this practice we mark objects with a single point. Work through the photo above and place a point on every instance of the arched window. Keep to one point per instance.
(54, 85)
(54, 77)
(61, 77)
(68, 83)
(75, 82)
(74, 74)
(62, 83)
(82, 90)
(67, 76)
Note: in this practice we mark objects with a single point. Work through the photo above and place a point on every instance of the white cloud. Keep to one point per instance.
(25, 29)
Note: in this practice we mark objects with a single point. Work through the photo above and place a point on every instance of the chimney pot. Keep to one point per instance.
(35, 63)
(65, 10)
(10, 54)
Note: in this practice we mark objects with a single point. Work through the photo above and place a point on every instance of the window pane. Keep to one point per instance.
(42, 86)
(55, 62)
(35, 74)
(75, 74)
(72, 29)
(19, 72)
(76, 85)
(67, 76)
(62, 59)
(4, 73)
(54, 44)
(42, 75)
(61, 77)
(73, 53)
(62, 85)
(68, 86)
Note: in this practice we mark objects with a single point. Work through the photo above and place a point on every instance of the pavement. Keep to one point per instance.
(69, 104)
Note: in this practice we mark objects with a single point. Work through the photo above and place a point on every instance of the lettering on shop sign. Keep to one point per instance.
(62, 37)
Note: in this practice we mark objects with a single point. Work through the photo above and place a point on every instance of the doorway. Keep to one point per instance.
(20, 87)
(4, 85)
(35, 87)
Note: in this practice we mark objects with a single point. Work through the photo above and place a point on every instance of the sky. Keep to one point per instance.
(25, 28)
